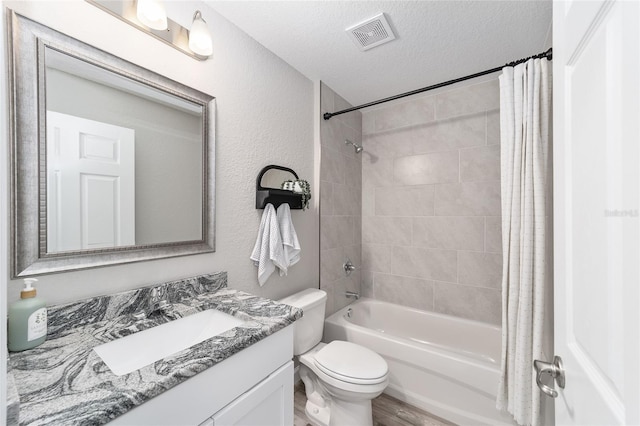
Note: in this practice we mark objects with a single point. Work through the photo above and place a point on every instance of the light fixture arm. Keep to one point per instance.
(198, 15)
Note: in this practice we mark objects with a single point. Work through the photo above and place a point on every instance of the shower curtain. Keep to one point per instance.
(525, 106)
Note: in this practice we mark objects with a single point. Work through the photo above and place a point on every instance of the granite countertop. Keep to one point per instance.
(64, 382)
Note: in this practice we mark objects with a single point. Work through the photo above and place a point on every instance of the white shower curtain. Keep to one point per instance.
(525, 106)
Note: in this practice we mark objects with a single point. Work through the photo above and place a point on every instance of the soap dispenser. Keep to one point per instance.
(27, 319)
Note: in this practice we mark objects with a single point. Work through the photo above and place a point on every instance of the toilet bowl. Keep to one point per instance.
(340, 378)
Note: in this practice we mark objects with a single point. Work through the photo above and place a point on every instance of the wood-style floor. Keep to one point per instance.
(387, 411)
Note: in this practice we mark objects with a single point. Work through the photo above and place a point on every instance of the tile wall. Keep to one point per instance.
(340, 200)
(431, 228)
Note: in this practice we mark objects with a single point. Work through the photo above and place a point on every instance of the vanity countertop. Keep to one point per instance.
(64, 382)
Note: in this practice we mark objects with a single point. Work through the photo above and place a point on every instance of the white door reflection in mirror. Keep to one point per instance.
(90, 184)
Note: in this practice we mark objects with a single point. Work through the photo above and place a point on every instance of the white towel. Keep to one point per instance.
(289, 238)
(268, 252)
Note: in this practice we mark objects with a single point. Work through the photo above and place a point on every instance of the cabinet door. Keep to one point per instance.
(269, 403)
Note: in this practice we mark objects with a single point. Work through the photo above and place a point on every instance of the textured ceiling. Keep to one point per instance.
(436, 40)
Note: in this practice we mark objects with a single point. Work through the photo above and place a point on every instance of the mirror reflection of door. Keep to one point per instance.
(90, 184)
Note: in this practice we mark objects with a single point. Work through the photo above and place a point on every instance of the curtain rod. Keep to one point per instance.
(547, 54)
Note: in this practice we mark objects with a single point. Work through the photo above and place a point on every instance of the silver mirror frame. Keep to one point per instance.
(28, 40)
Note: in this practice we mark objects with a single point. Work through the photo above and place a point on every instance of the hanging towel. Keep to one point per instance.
(289, 237)
(268, 252)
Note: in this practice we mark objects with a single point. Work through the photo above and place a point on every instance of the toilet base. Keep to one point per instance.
(329, 406)
(340, 413)
(319, 416)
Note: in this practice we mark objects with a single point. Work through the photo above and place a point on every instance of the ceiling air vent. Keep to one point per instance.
(371, 33)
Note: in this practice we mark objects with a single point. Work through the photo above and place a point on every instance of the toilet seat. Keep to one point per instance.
(351, 363)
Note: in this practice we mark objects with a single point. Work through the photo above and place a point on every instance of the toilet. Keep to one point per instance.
(340, 378)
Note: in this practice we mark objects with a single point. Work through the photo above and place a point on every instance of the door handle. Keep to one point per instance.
(555, 370)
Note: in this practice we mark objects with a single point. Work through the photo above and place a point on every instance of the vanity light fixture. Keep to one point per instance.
(150, 16)
(152, 13)
(200, 37)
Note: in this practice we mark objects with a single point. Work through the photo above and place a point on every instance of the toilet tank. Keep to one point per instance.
(308, 329)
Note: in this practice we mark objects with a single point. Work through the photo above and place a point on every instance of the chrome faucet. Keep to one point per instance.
(349, 267)
(352, 294)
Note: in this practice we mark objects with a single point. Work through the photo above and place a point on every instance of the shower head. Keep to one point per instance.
(356, 147)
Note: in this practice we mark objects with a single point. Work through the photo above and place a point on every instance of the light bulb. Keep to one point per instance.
(199, 37)
(152, 14)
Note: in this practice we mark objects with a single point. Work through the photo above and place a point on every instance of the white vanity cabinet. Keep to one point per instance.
(253, 387)
(269, 403)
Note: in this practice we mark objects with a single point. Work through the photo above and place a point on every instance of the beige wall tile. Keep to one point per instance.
(340, 198)
(420, 109)
(331, 264)
(353, 172)
(329, 288)
(377, 257)
(412, 292)
(367, 123)
(417, 111)
(480, 304)
(351, 283)
(446, 135)
(336, 231)
(357, 230)
(468, 100)
(329, 133)
(449, 232)
(347, 133)
(352, 119)
(326, 198)
(376, 171)
(404, 201)
(354, 253)
(481, 163)
(480, 269)
(340, 103)
(468, 199)
(387, 118)
(432, 264)
(493, 234)
(368, 200)
(366, 284)
(392, 143)
(439, 167)
(386, 230)
(332, 165)
(493, 127)
(347, 200)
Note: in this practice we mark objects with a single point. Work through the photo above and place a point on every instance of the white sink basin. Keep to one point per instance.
(137, 350)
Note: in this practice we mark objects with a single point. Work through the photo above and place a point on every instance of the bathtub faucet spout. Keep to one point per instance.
(352, 295)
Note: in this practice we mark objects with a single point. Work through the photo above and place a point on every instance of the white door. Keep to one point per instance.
(596, 205)
(90, 184)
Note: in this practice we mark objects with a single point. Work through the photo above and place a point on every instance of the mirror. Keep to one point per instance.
(273, 177)
(116, 167)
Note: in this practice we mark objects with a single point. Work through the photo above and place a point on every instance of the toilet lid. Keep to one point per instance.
(351, 363)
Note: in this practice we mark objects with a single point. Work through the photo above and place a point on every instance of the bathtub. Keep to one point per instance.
(442, 364)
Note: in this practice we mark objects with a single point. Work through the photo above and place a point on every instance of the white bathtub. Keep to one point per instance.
(442, 364)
